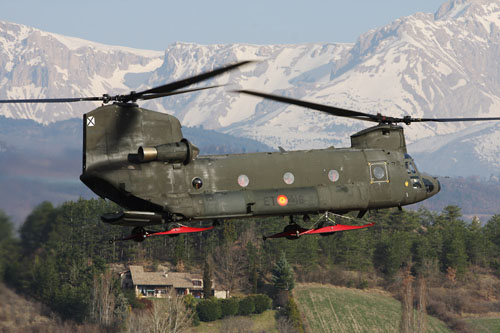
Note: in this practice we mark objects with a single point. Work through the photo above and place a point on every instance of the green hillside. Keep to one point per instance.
(336, 309)
(485, 324)
(264, 322)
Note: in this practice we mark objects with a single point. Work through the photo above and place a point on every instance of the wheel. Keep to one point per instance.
(138, 234)
(173, 226)
(292, 228)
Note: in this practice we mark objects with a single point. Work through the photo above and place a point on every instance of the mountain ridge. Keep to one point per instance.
(424, 65)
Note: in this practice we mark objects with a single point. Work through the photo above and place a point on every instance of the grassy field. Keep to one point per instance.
(336, 309)
(485, 324)
(264, 322)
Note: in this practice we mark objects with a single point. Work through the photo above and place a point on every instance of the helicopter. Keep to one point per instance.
(139, 159)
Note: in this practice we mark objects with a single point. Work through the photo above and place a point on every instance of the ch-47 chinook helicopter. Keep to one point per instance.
(139, 159)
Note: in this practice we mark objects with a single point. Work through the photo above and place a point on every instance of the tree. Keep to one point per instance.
(407, 322)
(36, 228)
(170, 314)
(392, 252)
(492, 232)
(283, 279)
(6, 227)
(293, 314)
(282, 275)
(262, 302)
(207, 280)
(230, 261)
(476, 243)
(103, 299)
(253, 273)
(7, 243)
(452, 213)
(166, 315)
(454, 252)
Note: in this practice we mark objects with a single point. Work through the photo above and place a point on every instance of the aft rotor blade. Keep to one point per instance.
(449, 120)
(53, 100)
(335, 111)
(170, 87)
(356, 114)
(177, 92)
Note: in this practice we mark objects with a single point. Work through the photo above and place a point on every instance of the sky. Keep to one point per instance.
(154, 24)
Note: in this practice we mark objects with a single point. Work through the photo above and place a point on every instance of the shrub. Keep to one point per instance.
(209, 310)
(363, 284)
(190, 302)
(293, 314)
(262, 302)
(229, 307)
(246, 306)
(134, 302)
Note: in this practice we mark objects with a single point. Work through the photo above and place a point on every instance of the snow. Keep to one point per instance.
(421, 65)
(460, 83)
(74, 43)
(8, 66)
(63, 72)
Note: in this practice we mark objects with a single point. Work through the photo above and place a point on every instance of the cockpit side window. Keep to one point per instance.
(429, 186)
(415, 180)
(412, 172)
(410, 167)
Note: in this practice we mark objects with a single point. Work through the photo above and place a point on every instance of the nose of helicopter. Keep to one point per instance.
(432, 185)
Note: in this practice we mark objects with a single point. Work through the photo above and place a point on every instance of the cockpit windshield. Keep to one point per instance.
(410, 165)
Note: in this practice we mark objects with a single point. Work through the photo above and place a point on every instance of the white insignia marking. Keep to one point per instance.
(90, 121)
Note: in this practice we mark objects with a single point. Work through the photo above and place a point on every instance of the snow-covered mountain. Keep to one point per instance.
(37, 64)
(425, 65)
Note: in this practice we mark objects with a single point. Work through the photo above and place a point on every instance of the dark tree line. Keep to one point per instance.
(61, 250)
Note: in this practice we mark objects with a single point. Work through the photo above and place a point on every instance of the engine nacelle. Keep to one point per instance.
(176, 152)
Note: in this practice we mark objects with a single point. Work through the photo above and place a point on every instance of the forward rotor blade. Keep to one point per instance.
(170, 87)
(320, 107)
(161, 91)
(177, 92)
(53, 100)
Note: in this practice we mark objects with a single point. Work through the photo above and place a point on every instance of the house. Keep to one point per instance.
(159, 284)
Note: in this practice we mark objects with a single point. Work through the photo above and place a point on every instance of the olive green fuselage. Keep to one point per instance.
(312, 190)
(375, 172)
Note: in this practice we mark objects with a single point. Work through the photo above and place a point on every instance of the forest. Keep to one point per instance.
(60, 254)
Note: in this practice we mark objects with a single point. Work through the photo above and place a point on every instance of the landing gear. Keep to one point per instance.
(293, 230)
(326, 221)
(172, 226)
(139, 234)
(324, 226)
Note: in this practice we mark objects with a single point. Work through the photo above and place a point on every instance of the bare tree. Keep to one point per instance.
(421, 321)
(167, 315)
(284, 325)
(103, 299)
(230, 263)
(407, 319)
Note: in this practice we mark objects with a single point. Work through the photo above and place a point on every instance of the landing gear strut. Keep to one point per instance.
(139, 234)
(324, 226)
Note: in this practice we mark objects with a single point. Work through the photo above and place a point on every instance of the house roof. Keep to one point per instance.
(175, 279)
